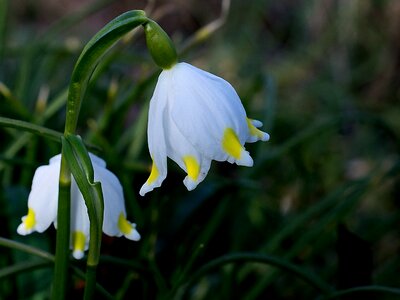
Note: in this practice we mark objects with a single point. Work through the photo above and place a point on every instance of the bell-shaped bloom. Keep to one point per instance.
(43, 199)
(196, 117)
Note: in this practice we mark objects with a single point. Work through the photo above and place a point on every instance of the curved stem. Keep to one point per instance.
(363, 289)
(81, 74)
(89, 58)
(245, 257)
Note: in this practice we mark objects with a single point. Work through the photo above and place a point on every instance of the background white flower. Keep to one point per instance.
(43, 199)
(196, 117)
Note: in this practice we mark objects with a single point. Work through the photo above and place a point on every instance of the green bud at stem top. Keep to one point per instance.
(160, 45)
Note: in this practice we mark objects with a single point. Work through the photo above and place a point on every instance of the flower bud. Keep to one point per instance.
(160, 45)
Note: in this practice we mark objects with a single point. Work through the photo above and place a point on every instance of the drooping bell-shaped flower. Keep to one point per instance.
(196, 117)
(43, 199)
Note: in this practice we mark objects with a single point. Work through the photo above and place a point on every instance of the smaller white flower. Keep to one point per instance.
(43, 199)
(196, 117)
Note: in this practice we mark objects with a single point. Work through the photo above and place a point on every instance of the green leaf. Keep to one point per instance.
(29, 127)
(37, 130)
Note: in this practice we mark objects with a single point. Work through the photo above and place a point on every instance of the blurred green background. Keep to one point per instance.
(323, 77)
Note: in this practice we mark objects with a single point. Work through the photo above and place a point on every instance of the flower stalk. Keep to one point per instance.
(89, 58)
(83, 69)
(236, 129)
(63, 233)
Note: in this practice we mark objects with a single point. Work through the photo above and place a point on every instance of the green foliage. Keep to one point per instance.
(316, 216)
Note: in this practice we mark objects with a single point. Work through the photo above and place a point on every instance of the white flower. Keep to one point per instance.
(196, 117)
(43, 199)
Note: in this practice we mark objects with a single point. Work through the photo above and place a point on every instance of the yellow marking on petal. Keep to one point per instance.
(123, 225)
(30, 219)
(231, 143)
(153, 174)
(78, 240)
(254, 131)
(192, 167)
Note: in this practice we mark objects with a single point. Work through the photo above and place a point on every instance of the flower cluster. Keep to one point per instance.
(43, 199)
(194, 117)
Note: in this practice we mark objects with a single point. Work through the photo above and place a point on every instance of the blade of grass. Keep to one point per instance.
(24, 267)
(246, 257)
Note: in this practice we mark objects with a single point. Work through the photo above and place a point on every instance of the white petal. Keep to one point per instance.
(42, 201)
(204, 107)
(245, 160)
(218, 96)
(114, 223)
(128, 229)
(180, 150)
(204, 167)
(156, 136)
(97, 160)
(113, 200)
(254, 133)
(78, 254)
(56, 159)
(80, 225)
(79, 214)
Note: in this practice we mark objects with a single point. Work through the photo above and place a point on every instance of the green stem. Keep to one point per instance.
(90, 282)
(63, 235)
(314, 281)
(83, 70)
(81, 74)
(90, 57)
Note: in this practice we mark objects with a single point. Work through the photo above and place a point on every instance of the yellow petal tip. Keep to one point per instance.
(153, 174)
(192, 167)
(231, 143)
(78, 244)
